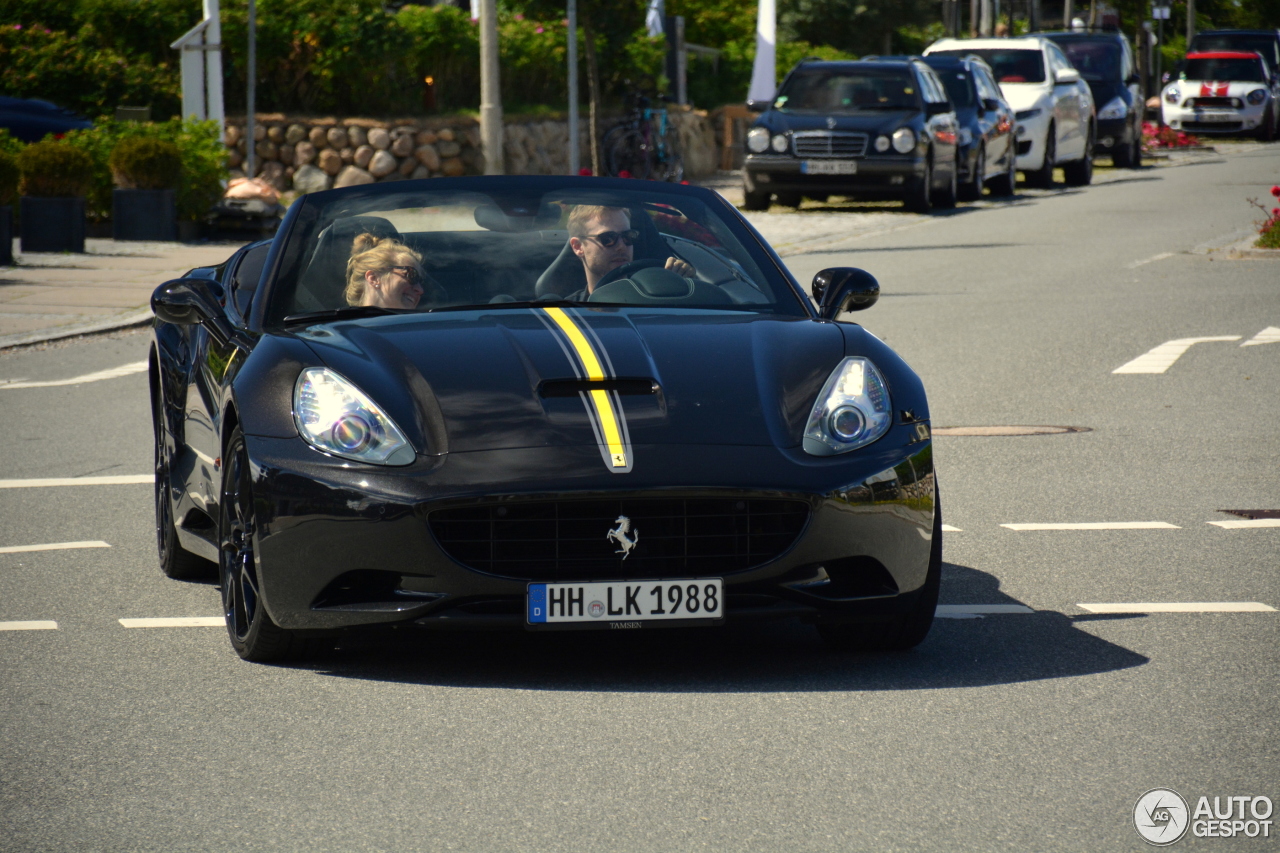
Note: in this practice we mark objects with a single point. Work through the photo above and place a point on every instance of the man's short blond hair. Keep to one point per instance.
(584, 213)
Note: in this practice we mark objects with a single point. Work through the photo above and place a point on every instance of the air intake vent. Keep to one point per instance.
(822, 144)
(569, 540)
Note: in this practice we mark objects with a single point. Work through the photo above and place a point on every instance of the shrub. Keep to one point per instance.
(1269, 229)
(54, 169)
(8, 178)
(145, 163)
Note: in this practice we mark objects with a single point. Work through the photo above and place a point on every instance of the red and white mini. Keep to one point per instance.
(1223, 92)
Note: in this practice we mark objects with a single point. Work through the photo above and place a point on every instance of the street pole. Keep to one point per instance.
(490, 92)
(1066, 14)
(575, 155)
(213, 67)
(1191, 22)
(251, 98)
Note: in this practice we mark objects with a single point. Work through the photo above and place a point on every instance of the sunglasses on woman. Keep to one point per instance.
(609, 239)
(410, 274)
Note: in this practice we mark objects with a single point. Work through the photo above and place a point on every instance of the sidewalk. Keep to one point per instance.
(47, 296)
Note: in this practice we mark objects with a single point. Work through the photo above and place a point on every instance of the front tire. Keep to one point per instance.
(920, 198)
(1007, 184)
(175, 561)
(1042, 178)
(1130, 156)
(972, 190)
(1267, 132)
(947, 198)
(755, 200)
(1079, 173)
(254, 635)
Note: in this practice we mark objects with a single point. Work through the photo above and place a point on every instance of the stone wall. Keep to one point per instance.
(310, 154)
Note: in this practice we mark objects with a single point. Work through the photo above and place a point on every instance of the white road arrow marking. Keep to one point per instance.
(1162, 357)
(1247, 522)
(53, 546)
(113, 373)
(1269, 335)
(177, 622)
(29, 626)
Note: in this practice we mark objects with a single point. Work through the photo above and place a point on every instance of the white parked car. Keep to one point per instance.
(1054, 108)
(1223, 92)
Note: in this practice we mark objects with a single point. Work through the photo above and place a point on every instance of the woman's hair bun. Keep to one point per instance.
(365, 242)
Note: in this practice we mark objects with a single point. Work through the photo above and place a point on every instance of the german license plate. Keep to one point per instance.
(829, 167)
(1216, 117)
(626, 604)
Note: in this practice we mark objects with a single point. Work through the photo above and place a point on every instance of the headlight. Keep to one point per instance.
(852, 411)
(1023, 115)
(1172, 94)
(780, 144)
(757, 140)
(1115, 108)
(336, 417)
(1257, 96)
(882, 143)
(965, 137)
(904, 139)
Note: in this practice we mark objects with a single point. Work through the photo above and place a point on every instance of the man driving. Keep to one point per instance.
(603, 239)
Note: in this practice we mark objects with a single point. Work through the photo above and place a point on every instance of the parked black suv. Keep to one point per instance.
(868, 129)
(1105, 61)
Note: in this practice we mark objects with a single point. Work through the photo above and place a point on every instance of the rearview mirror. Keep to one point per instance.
(937, 109)
(840, 289)
(990, 105)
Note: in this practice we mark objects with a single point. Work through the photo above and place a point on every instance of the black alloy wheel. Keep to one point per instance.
(175, 561)
(754, 200)
(919, 199)
(1006, 183)
(1079, 173)
(1042, 178)
(254, 635)
(906, 630)
(972, 190)
(947, 198)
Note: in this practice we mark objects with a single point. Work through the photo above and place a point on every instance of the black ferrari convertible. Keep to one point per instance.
(537, 403)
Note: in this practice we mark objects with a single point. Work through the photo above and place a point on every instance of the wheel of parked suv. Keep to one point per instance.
(790, 199)
(1129, 156)
(1079, 173)
(972, 190)
(175, 561)
(947, 198)
(919, 198)
(906, 630)
(1267, 132)
(1043, 177)
(1006, 184)
(755, 200)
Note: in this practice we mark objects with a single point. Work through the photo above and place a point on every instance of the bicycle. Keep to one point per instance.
(645, 145)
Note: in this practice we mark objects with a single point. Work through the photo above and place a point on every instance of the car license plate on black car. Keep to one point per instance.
(626, 604)
(829, 167)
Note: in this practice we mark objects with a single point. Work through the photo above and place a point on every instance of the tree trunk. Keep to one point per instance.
(593, 94)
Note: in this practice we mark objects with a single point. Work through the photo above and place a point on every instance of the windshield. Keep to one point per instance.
(1095, 60)
(1223, 69)
(959, 87)
(422, 250)
(1263, 44)
(1010, 66)
(843, 91)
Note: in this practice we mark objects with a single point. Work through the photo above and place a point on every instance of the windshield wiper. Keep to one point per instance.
(350, 312)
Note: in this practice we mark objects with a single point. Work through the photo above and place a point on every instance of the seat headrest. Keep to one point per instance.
(326, 276)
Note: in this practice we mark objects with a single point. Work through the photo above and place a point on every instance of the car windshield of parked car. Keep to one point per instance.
(1245, 42)
(846, 91)
(1095, 60)
(508, 247)
(1009, 65)
(959, 87)
(1223, 69)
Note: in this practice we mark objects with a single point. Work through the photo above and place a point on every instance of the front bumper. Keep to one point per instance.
(1032, 134)
(1237, 120)
(877, 175)
(1113, 133)
(341, 545)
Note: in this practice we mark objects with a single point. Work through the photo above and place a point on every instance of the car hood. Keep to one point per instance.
(485, 380)
(869, 122)
(1218, 88)
(1024, 96)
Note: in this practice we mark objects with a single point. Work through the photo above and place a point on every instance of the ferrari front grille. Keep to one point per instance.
(589, 539)
(822, 144)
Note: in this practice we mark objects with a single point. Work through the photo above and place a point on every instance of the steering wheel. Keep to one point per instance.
(626, 270)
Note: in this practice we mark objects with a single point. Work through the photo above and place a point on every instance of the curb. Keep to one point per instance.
(109, 324)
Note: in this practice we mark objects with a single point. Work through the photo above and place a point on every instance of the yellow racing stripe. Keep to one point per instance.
(599, 398)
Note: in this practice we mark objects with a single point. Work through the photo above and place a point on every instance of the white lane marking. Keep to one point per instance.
(1181, 607)
(1161, 358)
(1269, 335)
(177, 622)
(1152, 259)
(1098, 525)
(977, 611)
(53, 546)
(1237, 524)
(947, 528)
(29, 626)
(113, 373)
(120, 480)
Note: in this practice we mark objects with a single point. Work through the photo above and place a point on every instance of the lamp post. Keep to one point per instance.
(490, 92)
(575, 156)
(250, 125)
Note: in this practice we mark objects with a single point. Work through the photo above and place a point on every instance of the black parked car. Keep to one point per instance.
(1265, 42)
(1105, 61)
(505, 442)
(32, 120)
(986, 148)
(882, 129)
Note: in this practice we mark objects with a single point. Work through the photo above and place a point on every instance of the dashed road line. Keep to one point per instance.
(1237, 524)
(29, 626)
(53, 546)
(113, 373)
(1152, 259)
(947, 528)
(1180, 607)
(1161, 358)
(119, 480)
(1269, 335)
(177, 622)
(1098, 525)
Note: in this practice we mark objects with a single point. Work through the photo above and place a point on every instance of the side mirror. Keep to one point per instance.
(840, 289)
(937, 109)
(188, 301)
(1066, 76)
(1132, 80)
(990, 105)
(758, 106)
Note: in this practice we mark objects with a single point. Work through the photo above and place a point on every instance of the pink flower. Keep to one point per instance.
(519, 17)
(539, 30)
(1275, 191)
(17, 26)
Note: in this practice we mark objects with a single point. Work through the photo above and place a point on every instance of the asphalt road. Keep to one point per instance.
(1032, 730)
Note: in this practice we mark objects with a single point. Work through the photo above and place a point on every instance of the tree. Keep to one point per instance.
(858, 26)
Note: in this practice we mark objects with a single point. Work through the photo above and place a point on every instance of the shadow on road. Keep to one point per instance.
(784, 657)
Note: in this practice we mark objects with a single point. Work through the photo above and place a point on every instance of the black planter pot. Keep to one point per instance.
(6, 236)
(52, 224)
(144, 215)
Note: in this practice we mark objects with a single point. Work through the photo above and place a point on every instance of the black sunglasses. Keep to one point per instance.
(609, 239)
(411, 275)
